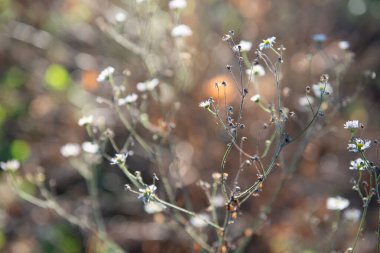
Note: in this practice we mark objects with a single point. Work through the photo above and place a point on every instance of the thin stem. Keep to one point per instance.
(361, 225)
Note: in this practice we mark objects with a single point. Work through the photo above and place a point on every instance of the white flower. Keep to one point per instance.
(128, 99)
(352, 124)
(120, 16)
(256, 98)
(181, 31)
(177, 4)
(245, 46)
(344, 45)
(352, 214)
(337, 203)
(205, 104)
(105, 74)
(322, 87)
(85, 120)
(199, 220)
(320, 37)
(90, 147)
(119, 158)
(147, 85)
(10, 165)
(268, 43)
(70, 149)
(256, 70)
(217, 201)
(357, 164)
(305, 100)
(358, 145)
(147, 194)
(154, 207)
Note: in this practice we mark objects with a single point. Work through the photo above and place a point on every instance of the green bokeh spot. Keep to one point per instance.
(57, 77)
(20, 150)
(14, 77)
(3, 114)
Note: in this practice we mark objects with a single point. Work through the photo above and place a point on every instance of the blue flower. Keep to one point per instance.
(268, 43)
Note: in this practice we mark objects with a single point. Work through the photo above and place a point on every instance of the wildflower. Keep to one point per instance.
(70, 149)
(256, 70)
(147, 194)
(256, 98)
(205, 104)
(217, 201)
(351, 124)
(128, 99)
(199, 220)
(322, 87)
(358, 145)
(357, 164)
(320, 37)
(244, 45)
(352, 214)
(177, 4)
(120, 16)
(181, 31)
(337, 203)
(147, 85)
(305, 101)
(90, 147)
(105, 74)
(344, 45)
(119, 158)
(154, 207)
(85, 120)
(268, 43)
(10, 165)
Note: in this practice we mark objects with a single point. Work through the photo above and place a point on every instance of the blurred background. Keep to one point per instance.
(51, 53)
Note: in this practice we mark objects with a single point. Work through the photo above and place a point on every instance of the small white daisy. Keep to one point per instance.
(344, 45)
(120, 16)
(256, 70)
(337, 203)
(128, 99)
(105, 74)
(70, 150)
(205, 104)
(305, 100)
(352, 124)
(352, 214)
(85, 120)
(357, 164)
(177, 4)
(256, 98)
(358, 145)
(199, 221)
(147, 85)
(181, 31)
(119, 158)
(90, 147)
(245, 46)
(268, 43)
(154, 207)
(318, 88)
(10, 165)
(147, 194)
